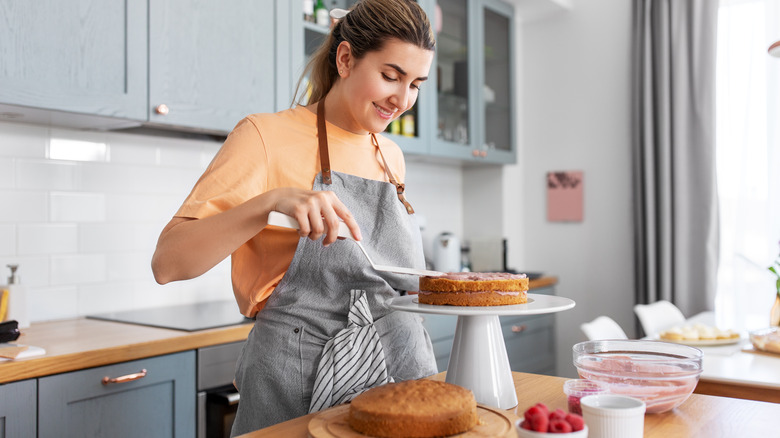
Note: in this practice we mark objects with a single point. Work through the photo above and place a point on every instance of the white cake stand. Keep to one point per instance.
(478, 360)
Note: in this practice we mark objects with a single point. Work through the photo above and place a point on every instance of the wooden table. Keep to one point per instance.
(700, 415)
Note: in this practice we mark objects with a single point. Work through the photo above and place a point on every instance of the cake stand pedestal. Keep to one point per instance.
(478, 360)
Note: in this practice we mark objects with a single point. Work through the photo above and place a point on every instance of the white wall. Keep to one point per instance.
(575, 105)
(83, 232)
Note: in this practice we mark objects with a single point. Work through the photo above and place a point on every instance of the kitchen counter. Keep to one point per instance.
(80, 343)
(84, 343)
(700, 415)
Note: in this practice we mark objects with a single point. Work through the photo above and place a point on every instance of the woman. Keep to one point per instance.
(324, 332)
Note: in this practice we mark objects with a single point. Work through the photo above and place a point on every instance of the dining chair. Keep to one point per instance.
(603, 327)
(658, 316)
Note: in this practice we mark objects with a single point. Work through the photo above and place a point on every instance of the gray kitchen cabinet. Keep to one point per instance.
(79, 56)
(17, 409)
(196, 66)
(529, 340)
(159, 404)
(475, 105)
(211, 64)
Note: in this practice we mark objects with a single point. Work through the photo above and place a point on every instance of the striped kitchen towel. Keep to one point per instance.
(352, 361)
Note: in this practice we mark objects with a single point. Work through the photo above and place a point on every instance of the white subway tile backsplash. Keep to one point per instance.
(130, 266)
(77, 207)
(42, 239)
(105, 297)
(7, 173)
(7, 241)
(21, 206)
(48, 303)
(23, 140)
(181, 153)
(46, 175)
(133, 149)
(77, 269)
(117, 237)
(142, 208)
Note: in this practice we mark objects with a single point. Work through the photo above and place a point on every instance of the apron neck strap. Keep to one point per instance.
(322, 136)
(399, 187)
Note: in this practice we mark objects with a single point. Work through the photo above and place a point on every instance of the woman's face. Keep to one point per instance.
(378, 88)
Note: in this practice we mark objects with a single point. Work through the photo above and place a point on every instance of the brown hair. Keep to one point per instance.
(367, 26)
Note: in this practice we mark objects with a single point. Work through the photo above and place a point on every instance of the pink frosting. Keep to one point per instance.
(481, 276)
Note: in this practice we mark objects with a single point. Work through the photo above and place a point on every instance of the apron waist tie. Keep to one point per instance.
(353, 361)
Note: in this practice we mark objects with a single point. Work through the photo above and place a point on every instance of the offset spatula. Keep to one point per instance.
(282, 220)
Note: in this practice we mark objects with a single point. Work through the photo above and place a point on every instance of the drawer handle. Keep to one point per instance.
(519, 328)
(126, 378)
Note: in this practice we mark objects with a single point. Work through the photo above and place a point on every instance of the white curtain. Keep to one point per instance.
(748, 160)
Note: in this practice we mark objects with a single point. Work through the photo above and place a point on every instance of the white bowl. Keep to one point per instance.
(525, 433)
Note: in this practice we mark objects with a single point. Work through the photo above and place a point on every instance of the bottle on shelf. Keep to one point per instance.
(321, 14)
(308, 11)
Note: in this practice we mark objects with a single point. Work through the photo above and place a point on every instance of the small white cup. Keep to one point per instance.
(613, 416)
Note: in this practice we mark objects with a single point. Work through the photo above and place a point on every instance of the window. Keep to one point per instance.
(748, 160)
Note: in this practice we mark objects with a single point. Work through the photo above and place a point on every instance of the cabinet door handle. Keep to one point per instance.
(162, 109)
(126, 378)
(519, 328)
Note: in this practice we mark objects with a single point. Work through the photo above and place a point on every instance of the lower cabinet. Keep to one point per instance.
(529, 340)
(153, 397)
(17, 409)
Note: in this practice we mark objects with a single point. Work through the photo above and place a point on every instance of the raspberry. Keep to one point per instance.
(539, 422)
(526, 425)
(559, 426)
(576, 422)
(557, 414)
(535, 410)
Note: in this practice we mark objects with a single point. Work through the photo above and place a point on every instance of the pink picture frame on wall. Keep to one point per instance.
(565, 196)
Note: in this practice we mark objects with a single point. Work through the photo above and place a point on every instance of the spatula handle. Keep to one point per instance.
(282, 220)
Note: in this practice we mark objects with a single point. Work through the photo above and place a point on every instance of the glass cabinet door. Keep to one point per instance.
(497, 94)
(452, 71)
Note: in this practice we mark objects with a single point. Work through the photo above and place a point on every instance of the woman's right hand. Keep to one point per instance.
(317, 212)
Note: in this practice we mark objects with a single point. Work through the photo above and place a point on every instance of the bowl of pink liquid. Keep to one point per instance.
(661, 374)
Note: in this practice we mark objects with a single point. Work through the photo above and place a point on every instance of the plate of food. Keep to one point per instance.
(699, 335)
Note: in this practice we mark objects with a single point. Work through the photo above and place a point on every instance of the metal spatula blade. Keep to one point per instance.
(282, 220)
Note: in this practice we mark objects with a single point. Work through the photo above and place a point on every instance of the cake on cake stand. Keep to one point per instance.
(478, 360)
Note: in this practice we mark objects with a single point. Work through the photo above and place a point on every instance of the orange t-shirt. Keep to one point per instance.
(269, 151)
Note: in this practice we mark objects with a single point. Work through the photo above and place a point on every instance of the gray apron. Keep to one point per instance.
(319, 297)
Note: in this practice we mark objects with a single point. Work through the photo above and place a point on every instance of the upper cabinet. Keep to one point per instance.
(210, 63)
(202, 66)
(474, 109)
(81, 56)
(171, 63)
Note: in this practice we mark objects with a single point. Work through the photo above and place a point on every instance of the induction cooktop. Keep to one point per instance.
(187, 317)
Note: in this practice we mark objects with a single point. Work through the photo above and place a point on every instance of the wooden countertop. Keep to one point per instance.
(700, 415)
(84, 343)
(81, 343)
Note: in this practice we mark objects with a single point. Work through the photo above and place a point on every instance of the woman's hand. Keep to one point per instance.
(317, 213)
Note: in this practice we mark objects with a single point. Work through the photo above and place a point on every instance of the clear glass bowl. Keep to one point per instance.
(661, 374)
